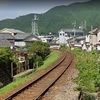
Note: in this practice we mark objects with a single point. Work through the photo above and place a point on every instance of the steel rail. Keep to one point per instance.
(31, 83)
(40, 96)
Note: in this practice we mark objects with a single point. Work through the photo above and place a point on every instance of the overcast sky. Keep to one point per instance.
(15, 8)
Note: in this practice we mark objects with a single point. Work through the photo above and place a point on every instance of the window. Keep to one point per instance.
(60, 34)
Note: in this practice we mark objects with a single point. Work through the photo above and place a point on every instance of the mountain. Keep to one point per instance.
(84, 14)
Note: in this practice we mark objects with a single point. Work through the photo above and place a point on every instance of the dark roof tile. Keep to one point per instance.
(5, 43)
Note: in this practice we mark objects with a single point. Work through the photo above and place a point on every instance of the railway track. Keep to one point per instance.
(37, 88)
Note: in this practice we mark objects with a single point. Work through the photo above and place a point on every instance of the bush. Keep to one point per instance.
(5, 56)
(87, 96)
(38, 61)
(89, 67)
(39, 52)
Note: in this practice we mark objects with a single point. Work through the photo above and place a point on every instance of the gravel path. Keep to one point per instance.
(63, 89)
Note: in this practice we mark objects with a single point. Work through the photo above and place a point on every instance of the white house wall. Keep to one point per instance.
(98, 47)
(94, 39)
(62, 39)
(98, 37)
(20, 44)
(44, 39)
(87, 38)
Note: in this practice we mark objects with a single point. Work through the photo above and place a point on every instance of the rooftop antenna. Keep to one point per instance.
(35, 25)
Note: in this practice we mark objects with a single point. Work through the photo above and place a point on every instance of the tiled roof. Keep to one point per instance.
(78, 38)
(21, 36)
(93, 31)
(98, 30)
(70, 30)
(32, 36)
(6, 36)
(12, 30)
(5, 43)
(26, 37)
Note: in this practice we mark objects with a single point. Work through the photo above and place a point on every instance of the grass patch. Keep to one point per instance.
(51, 58)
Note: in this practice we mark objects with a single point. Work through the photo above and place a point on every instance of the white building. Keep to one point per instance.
(62, 39)
(66, 34)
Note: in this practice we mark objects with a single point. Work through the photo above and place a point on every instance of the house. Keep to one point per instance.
(72, 32)
(5, 43)
(7, 38)
(31, 38)
(22, 39)
(11, 31)
(78, 42)
(19, 40)
(65, 34)
(93, 38)
(47, 38)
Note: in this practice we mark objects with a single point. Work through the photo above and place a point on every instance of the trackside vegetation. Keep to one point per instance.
(52, 57)
(88, 63)
(38, 52)
(5, 56)
(88, 80)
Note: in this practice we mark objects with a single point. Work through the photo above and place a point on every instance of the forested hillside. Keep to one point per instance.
(86, 13)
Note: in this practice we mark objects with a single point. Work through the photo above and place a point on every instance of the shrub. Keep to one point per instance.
(89, 67)
(5, 56)
(39, 52)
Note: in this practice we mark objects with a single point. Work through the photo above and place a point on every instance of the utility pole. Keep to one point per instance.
(91, 27)
(85, 24)
(74, 30)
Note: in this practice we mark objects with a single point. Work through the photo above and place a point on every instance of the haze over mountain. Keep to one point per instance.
(15, 8)
(84, 14)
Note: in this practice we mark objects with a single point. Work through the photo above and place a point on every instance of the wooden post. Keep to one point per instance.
(28, 64)
(25, 65)
(11, 69)
(37, 64)
(19, 67)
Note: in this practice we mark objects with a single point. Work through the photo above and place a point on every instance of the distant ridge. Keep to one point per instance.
(59, 17)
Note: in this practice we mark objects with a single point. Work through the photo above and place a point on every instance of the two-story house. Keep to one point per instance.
(20, 38)
(93, 39)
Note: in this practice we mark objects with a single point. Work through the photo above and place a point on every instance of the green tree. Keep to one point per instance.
(39, 51)
(5, 56)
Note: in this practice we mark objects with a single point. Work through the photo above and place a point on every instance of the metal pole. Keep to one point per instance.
(74, 31)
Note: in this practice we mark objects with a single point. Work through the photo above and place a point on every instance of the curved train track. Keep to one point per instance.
(37, 88)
